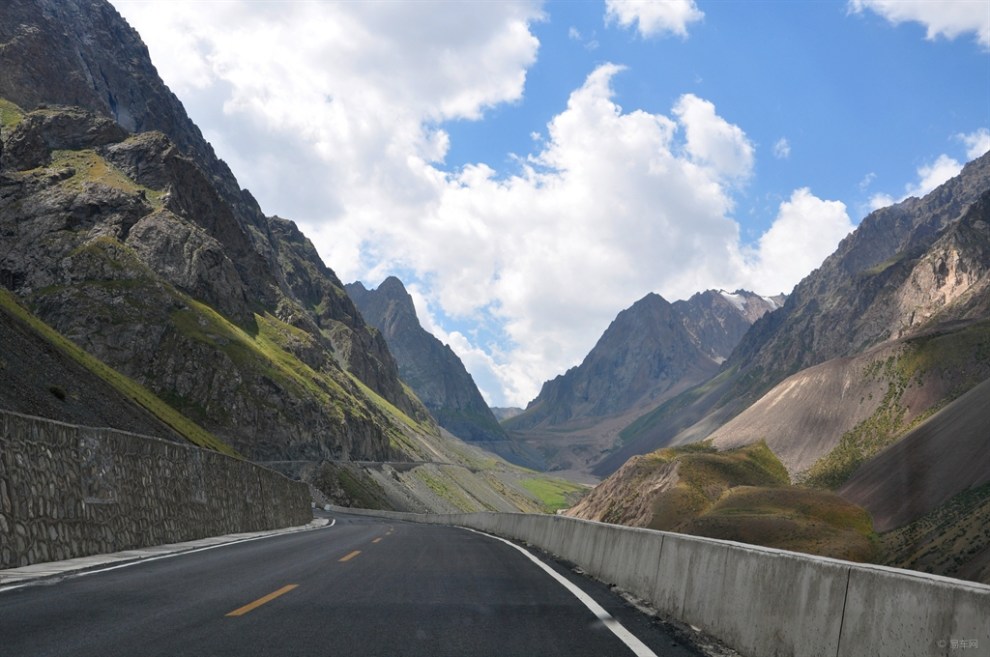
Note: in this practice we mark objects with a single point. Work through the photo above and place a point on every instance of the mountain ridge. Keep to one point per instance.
(431, 368)
(653, 351)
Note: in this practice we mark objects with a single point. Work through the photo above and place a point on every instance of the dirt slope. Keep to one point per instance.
(944, 456)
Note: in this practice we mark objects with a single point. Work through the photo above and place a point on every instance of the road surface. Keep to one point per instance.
(362, 586)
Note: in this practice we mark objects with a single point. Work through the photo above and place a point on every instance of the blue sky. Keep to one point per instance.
(530, 169)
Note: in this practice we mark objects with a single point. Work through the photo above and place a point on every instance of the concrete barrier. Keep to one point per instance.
(759, 601)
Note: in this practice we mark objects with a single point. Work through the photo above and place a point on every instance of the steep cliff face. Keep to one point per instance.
(124, 231)
(360, 349)
(81, 53)
(141, 272)
(40, 379)
(429, 367)
(847, 305)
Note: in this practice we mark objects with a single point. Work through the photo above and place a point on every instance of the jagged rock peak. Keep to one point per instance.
(432, 369)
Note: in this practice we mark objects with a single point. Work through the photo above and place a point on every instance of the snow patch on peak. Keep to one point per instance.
(773, 303)
(737, 300)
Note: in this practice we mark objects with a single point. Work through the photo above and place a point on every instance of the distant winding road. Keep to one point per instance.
(361, 586)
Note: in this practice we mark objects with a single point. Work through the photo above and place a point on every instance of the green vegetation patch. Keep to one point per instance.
(10, 114)
(446, 489)
(705, 475)
(89, 167)
(262, 352)
(790, 518)
(951, 540)
(390, 409)
(962, 356)
(347, 484)
(123, 384)
(553, 494)
(752, 465)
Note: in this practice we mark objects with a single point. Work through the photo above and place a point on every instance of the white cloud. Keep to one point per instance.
(336, 123)
(880, 200)
(932, 175)
(806, 230)
(945, 18)
(713, 141)
(782, 149)
(867, 180)
(654, 17)
(977, 143)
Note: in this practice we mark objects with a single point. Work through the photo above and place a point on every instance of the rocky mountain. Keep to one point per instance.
(870, 382)
(907, 266)
(644, 353)
(429, 367)
(651, 352)
(914, 267)
(717, 320)
(506, 413)
(150, 292)
(122, 230)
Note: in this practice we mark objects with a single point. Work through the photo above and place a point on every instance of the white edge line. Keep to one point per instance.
(639, 648)
(139, 560)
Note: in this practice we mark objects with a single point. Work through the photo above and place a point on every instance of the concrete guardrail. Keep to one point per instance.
(759, 601)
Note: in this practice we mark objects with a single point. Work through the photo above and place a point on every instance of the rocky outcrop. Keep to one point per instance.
(361, 349)
(431, 368)
(717, 320)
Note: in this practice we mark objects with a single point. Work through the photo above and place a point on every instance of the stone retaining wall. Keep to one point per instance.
(68, 491)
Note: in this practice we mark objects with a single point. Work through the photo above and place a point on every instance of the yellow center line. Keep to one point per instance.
(260, 601)
(377, 539)
(350, 556)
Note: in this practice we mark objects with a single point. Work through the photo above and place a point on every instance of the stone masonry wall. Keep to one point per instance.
(68, 491)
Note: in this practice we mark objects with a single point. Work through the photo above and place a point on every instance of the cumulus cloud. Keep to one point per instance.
(806, 230)
(712, 141)
(338, 123)
(932, 175)
(880, 200)
(654, 17)
(977, 143)
(949, 18)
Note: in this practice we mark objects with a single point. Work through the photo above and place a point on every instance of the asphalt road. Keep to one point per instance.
(362, 586)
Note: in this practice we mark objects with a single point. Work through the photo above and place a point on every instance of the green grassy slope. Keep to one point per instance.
(123, 384)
